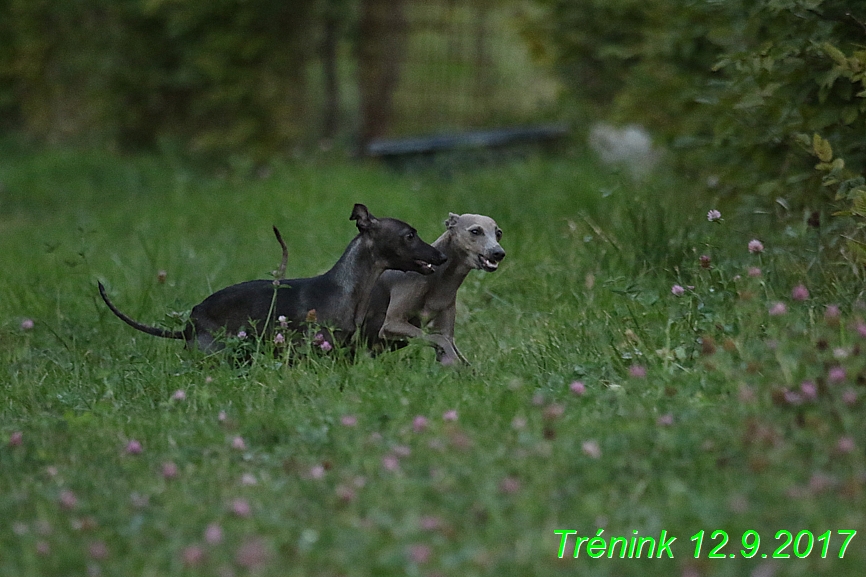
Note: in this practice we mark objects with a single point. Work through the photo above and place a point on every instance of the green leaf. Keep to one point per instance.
(858, 207)
(803, 139)
(822, 149)
(837, 55)
(858, 253)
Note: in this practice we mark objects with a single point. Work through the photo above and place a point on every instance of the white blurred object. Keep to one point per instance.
(630, 146)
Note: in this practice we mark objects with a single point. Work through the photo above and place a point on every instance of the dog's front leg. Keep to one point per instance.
(401, 329)
(443, 326)
(458, 353)
(446, 353)
(397, 328)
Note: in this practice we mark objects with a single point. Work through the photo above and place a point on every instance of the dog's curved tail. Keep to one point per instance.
(155, 331)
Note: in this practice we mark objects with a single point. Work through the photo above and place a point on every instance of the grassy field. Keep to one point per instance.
(620, 386)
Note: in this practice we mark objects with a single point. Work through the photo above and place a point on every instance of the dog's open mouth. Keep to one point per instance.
(424, 266)
(487, 264)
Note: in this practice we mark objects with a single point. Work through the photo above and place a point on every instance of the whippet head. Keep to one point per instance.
(396, 244)
(477, 236)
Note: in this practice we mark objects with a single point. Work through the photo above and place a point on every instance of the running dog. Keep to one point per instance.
(337, 299)
(404, 302)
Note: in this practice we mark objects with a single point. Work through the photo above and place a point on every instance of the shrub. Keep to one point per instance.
(220, 76)
(737, 89)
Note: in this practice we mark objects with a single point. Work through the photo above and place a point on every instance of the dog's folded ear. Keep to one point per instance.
(364, 220)
(452, 220)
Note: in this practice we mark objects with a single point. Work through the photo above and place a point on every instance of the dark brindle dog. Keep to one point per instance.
(337, 299)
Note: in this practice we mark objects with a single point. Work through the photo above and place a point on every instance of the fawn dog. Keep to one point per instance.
(403, 301)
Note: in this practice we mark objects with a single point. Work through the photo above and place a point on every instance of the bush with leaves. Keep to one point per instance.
(217, 76)
(737, 89)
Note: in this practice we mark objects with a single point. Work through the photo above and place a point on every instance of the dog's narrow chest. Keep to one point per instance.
(427, 314)
(438, 298)
(436, 303)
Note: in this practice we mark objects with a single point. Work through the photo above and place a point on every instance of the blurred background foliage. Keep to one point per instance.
(747, 96)
(736, 89)
(261, 77)
(217, 75)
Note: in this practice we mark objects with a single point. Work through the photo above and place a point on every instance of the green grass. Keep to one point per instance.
(706, 440)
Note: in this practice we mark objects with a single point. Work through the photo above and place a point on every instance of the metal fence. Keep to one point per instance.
(264, 76)
(461, 65)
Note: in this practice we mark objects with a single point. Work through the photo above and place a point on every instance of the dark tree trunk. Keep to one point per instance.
(381, 49)
(329, 65)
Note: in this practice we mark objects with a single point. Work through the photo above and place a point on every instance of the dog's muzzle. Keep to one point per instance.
(424, 266)
(490, 261)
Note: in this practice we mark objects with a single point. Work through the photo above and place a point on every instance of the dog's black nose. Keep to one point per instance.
(497, 254)
(440, 258)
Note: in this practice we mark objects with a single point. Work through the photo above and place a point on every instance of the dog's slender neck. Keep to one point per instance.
(355, 274)
(454, 269)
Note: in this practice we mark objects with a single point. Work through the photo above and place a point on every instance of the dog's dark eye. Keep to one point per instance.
(498, 234)
(410, 236)
(475, 231)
